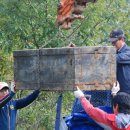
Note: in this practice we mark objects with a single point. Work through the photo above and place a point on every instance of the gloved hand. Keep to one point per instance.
(78, 93)
(115, 88)
(13, 86)
(71, 45)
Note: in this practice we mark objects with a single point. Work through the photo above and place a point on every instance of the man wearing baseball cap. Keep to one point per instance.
(5, 96)
(8, 107)
(117, 38)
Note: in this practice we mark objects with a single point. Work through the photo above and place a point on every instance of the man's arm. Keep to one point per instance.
(27, 100)
(95, 113)
(6, 99)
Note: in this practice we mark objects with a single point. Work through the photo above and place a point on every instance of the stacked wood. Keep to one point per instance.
(69, 10)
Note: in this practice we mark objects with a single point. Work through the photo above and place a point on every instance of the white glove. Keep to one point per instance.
(78, 93)
(115, 88)
(71, 45)
(12, 86)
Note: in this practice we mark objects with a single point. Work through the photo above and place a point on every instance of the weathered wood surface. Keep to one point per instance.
(63, 68)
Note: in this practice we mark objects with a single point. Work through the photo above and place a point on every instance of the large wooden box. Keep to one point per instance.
(63, 68)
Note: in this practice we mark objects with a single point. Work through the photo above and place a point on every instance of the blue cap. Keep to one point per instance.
(116, 34)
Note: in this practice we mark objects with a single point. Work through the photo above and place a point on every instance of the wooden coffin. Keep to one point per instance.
(62, 69)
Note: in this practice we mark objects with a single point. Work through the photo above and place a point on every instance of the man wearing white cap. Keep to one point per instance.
(8, 107)
(5, 96)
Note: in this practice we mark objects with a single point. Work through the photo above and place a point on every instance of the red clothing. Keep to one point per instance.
(99, 115)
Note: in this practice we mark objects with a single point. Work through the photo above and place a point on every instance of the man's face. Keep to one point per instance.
(4, 92)
(118, 43)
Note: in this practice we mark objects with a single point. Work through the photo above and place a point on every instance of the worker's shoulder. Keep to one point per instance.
(126, 46)
(125, 49)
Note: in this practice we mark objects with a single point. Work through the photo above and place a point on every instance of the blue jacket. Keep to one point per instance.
(123, 68)
(8, 109)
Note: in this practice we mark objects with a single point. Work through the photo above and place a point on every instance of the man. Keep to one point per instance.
(8, 107)
(117, 38)
(5, 96)
(81, 120)
(120, 120)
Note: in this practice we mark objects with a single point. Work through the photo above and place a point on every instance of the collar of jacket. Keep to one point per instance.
(122, 49)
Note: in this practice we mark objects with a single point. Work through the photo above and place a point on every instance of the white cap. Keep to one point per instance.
(3, 84)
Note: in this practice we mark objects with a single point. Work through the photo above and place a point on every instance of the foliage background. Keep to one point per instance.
(30, 24)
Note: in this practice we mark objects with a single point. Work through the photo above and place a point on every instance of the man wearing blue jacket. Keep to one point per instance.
(8, 107)
(117, 38)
